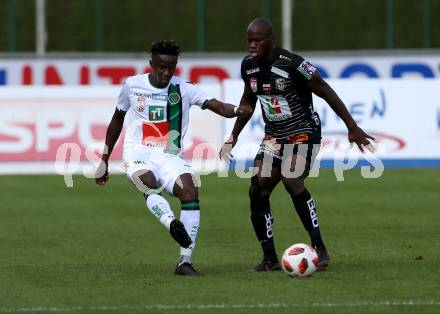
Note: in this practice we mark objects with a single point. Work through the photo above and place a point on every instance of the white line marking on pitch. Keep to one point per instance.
(107, 308)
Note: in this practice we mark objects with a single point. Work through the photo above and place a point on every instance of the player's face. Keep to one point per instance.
(259, 43)
(163, 68)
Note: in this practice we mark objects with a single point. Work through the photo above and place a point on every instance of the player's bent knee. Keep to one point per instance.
(144, 181)
(256, 190)
(189, 194)
(294, 186)
(184, 187)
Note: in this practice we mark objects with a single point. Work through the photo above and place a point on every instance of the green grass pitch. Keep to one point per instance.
(91, 249)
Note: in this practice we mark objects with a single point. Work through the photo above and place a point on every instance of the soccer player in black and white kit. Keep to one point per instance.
(283, 82)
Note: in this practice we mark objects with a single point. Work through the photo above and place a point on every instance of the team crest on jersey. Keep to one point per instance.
(174, 98)
(280, 84)
(141, 104)
(254, 85)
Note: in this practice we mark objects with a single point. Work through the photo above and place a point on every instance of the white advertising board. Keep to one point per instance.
(106, 71)
(37, 124)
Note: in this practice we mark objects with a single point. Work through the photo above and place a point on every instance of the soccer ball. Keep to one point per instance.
(299, 260)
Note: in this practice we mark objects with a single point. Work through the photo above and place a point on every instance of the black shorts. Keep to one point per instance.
(306, 144)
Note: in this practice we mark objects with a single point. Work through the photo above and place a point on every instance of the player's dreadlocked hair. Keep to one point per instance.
(165, 47)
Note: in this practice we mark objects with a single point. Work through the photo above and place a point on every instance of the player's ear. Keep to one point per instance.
(151, 62)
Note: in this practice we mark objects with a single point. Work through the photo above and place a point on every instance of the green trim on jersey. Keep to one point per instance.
(174, 117)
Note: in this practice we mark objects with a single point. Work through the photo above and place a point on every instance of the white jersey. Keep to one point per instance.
(158, 117)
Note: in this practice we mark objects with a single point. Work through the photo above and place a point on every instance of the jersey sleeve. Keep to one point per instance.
(196, 95)
(124, 99)
(303, 69)
(243, 73)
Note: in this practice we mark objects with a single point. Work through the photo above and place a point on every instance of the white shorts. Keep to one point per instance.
(165, 167)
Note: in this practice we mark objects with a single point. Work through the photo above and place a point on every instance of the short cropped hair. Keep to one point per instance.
(165, 47)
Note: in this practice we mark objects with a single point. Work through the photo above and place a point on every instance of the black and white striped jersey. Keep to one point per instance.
(281, 88)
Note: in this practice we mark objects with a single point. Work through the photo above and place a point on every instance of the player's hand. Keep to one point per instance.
(226, 150)
(357, 136)
(101, 174)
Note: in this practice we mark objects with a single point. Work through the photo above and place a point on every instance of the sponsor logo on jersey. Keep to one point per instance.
(155, 135)
(252, 71)
(267, 88)
(156, 113)
(174, 98)
(159, 97)
(280, 84)
(306, 69)
(254, 85)
(151, 96)
(279, 72)
(141, 94)
(276, 108)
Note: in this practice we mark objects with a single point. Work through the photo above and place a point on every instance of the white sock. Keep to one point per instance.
(184, 259)
(191, 221)
(160, 208)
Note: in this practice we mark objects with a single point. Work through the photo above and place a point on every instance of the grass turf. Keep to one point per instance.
(91, 249)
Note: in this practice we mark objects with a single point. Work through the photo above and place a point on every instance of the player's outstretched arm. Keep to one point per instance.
(247, 102)
(113, 131)
(355, 134)
(227, 110)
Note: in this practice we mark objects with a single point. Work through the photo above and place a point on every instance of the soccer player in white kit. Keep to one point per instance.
(157, 108)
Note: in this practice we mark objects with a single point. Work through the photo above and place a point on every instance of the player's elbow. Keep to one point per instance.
(244, 112)
(248, 111)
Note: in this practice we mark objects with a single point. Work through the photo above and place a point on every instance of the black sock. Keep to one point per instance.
(306, 209)
(262, 222)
